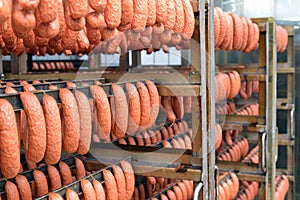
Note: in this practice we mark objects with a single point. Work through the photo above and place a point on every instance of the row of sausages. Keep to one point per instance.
(228, 186)
(45, 26)
(234, 33)
(119, 182)
(235, 152)
(175, 107)
(180, 190)
(45, 130)
(52, 66)
(227, 85)
(248, 192)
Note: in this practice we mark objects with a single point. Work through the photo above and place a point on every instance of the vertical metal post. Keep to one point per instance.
(210, 60)
(271, 67)
(18, 64)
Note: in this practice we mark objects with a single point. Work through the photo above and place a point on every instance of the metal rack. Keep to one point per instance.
(285, 110)
(264, 125)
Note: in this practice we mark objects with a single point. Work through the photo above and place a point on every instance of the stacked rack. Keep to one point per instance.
(285, 111)
(262, 126)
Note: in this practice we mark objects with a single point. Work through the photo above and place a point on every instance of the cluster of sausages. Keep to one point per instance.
(227, 85)
(282, 38)
(249, 191)
(119, 182)
(175, 107)
(235, 152)
(174, 189)
(42, 184)
(52, 66)
(253, 156)
(119, 114)
(228, 108)
(247, 88)
(282, 186)
(234, 33)
(109, 26)
(228, 186)
(219, 138)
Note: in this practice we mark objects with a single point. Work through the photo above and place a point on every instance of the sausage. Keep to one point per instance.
(249, 86)
(80, 170)
(190, 190)
(140, 14)
(171, 15)
(251, 35)
(53, 129)
(171, 195)
(113, 13)
(74, 24)
(179, 13)
(235, 83)
(35, 141)
(127, 12)
(71, 195)
(153, 137)
(161, 10)
(163, 197)
(98, 5)
(54, 176)
(23, 187)
(154, 100)
(85, 122)
(237, 31)
(5, 10)
(95, 20)
(22, 21)
(65, 172)
(99, 191)
(151, 13)
(121, 109)
(51, 8)
(71, 131)
(103, 111)
(228, 39)
(178, 107)
(134, 107)
(88, 190)
(242, 91)
(129, 178)
(9, 37)
(110, 185)
(245, 34)
(217, 27)
(145, 106)
(146, 137)
(9, 141)
(187, 104)
(142, 193)
(40, 181)
(166, 103)
(54, 196)
(120, 180)
(135, 194)
(11, 191)
(189, 19)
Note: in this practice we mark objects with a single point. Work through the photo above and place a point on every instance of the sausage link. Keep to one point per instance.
(189, 19)
(88, 190)
(52, 10)
(75, 24)
(54, 196)
(113, 13)
(95, 20)
(145, 106)
(178, 107)
(249, 87)
(65, 172)
(161, 11)
(121, 109)
(9, 141)
(11, 191)
(110, 185)
(171, 15)
(71, 131)
(85, 122)
(71, 195)
(80, 169)
(40, 183)
(151, 12)
(127, 12)
(54, 176)
(140, 10)
(98, 5)
(120, 180)
(103, 111)
(154, 100)
(36, 139)
(100, 193)
(5, 10)
(166, 103)
(53, 129)
(129, 178)
(134, 116)
(23, 187)
(29, 4)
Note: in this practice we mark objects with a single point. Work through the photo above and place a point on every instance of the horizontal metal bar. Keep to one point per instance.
(241, 119)
(238, 166)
